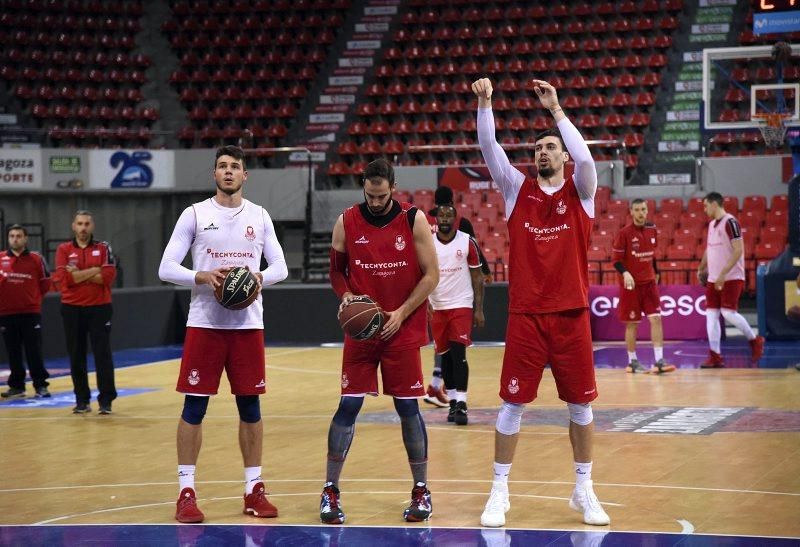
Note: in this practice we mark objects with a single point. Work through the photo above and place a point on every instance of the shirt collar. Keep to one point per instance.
(75, 242)
(24, 252)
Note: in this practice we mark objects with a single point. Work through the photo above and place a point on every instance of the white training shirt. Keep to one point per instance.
(222, 237)
(455, 282)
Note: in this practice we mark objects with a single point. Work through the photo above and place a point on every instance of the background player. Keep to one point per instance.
(634, 258)
(381, 236)
(222, 232)
(722, 272)
(549, 225)
(457, 304)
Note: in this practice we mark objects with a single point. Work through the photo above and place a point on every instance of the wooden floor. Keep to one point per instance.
(742, 479)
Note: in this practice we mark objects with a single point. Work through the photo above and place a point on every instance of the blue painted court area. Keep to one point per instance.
(64, 399)
(353, 536)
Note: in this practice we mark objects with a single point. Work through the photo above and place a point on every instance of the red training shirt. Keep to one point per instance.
(24, 280)
(87, 293)
(635, 247)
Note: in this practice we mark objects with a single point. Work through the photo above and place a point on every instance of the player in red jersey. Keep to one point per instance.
(383, 249)
(635, 259)
(549, 225)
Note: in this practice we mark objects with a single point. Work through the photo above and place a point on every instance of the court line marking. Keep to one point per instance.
(686, 526)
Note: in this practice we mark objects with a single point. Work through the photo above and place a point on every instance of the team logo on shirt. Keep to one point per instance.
(194, 377)
(250, 234)
(345, 381)
(562, 207)
(513, 385)
(399, 243)
(459, 253)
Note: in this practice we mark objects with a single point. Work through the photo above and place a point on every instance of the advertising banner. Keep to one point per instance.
(683, 313)
(132, 168)
(20, 169)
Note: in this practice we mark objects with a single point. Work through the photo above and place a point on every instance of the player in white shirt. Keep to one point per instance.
(222, 232)
(457, 304)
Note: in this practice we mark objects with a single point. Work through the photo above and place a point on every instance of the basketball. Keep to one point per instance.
(238, 290)
(362, 318)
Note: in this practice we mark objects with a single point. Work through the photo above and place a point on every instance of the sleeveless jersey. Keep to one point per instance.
(455, 281)
(719, 248)
(382, 263)
(549, 236)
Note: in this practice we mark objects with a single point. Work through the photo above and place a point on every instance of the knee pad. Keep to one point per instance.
(580, 414)
(509, 418)
(458, 353)
(406, 407)
(194, 409)
(249, 408)
(348, 410)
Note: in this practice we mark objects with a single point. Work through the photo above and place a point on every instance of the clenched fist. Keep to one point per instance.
(483, 90)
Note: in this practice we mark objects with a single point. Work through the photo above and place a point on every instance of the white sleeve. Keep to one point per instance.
(585, 171)
(179, 244)
(507, 177)
(276, 263)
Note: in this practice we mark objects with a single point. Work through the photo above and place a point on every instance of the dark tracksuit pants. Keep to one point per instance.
(94, 321)
(23, 331)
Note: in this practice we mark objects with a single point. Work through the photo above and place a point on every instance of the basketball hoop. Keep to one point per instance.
(773, 127)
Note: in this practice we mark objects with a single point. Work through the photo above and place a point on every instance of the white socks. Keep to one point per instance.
(185, 477)
(712, 328)
(252, 476)
(583, 472)
(737, 320)
(451, 394)
(632, 356)
(461, 396)
(501, 471)
(437, 382)
(659, 353)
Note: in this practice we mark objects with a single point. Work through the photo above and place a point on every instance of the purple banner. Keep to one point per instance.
(683, 313)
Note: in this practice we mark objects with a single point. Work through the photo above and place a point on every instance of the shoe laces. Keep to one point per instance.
(497, 501)
(419, 496)
(330, 498)
(187, 500)
(589, 499)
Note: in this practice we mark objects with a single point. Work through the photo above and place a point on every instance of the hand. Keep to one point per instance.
(627, 281)
(488, 279)
(260, 279)
(346, 299)
(214, 278)
(720, 282)
(477, 319)
(394, 320)
(70, 268)
(702, 276)
(547, 94)
(483, 90)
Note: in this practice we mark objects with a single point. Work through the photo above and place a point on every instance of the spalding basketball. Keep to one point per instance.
(238, 290)
(362, 318)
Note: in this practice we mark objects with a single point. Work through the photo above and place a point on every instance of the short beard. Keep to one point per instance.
(229, 191)
(547, 172)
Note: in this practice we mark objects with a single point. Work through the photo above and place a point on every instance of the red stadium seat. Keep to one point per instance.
(756, 204)
(779, 202)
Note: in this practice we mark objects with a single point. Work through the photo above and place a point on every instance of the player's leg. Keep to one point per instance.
(630, 313)
(10, 326)
(651, 306)
(713, 329)
(99, 318)
(75, 333)
(572, 364)
(32, 339)
(435, 394)
(449, 382)
(729, 306)
(458, 357)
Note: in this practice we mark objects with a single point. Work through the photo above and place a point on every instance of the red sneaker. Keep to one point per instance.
(437, 397)
(714, 360)
(187, 510)
(756, 348)
(258, 505)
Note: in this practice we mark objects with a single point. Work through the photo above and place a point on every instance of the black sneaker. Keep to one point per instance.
(330, 511)
(42, 393)
(13, 393)
(461, 413)
(105, 409)
(635, 366)
(81, 408)
(451, 414)
(421, 507)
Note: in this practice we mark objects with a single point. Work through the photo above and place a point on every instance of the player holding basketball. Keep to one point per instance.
(549, 224)
(222, 232)
(457, 304)
(634, 258)
(383, 249)
(721, 270)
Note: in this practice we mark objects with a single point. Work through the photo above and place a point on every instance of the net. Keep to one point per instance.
(773, 127)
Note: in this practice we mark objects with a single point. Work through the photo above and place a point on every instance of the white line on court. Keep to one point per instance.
(686, 526)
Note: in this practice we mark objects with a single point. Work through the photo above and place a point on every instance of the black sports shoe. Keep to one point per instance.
(451, 414)
(461, 413)
(105, 409)
(42, 393)
(421, 507)
(330, 512)
(81, 408)
(13, 393)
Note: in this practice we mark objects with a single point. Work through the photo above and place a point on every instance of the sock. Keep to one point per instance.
(712, 328)
(451, 394)
(659, 352)
(437, 382)
(252, 476)
(737, 320)
(583, 472)
(501, 471)
(461, 396)
(631, 356)
(186, 477)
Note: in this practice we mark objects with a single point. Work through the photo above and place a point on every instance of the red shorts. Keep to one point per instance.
(207, 351)
(451, 326)
(642, 299)
(727, 298)
(401, 369)
(563, 339)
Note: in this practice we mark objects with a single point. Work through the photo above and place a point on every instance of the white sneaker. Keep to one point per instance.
(584, 501)
(494, 515)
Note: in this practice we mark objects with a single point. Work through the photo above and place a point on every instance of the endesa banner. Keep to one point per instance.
(477, 177)
(683, 313)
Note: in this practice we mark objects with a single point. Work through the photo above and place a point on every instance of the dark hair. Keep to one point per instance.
(82, 212)
(443, 196)
(231, 150)
(19, 227)
(553, 132)
(716, 197)
(637, 201)
(379, 168)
